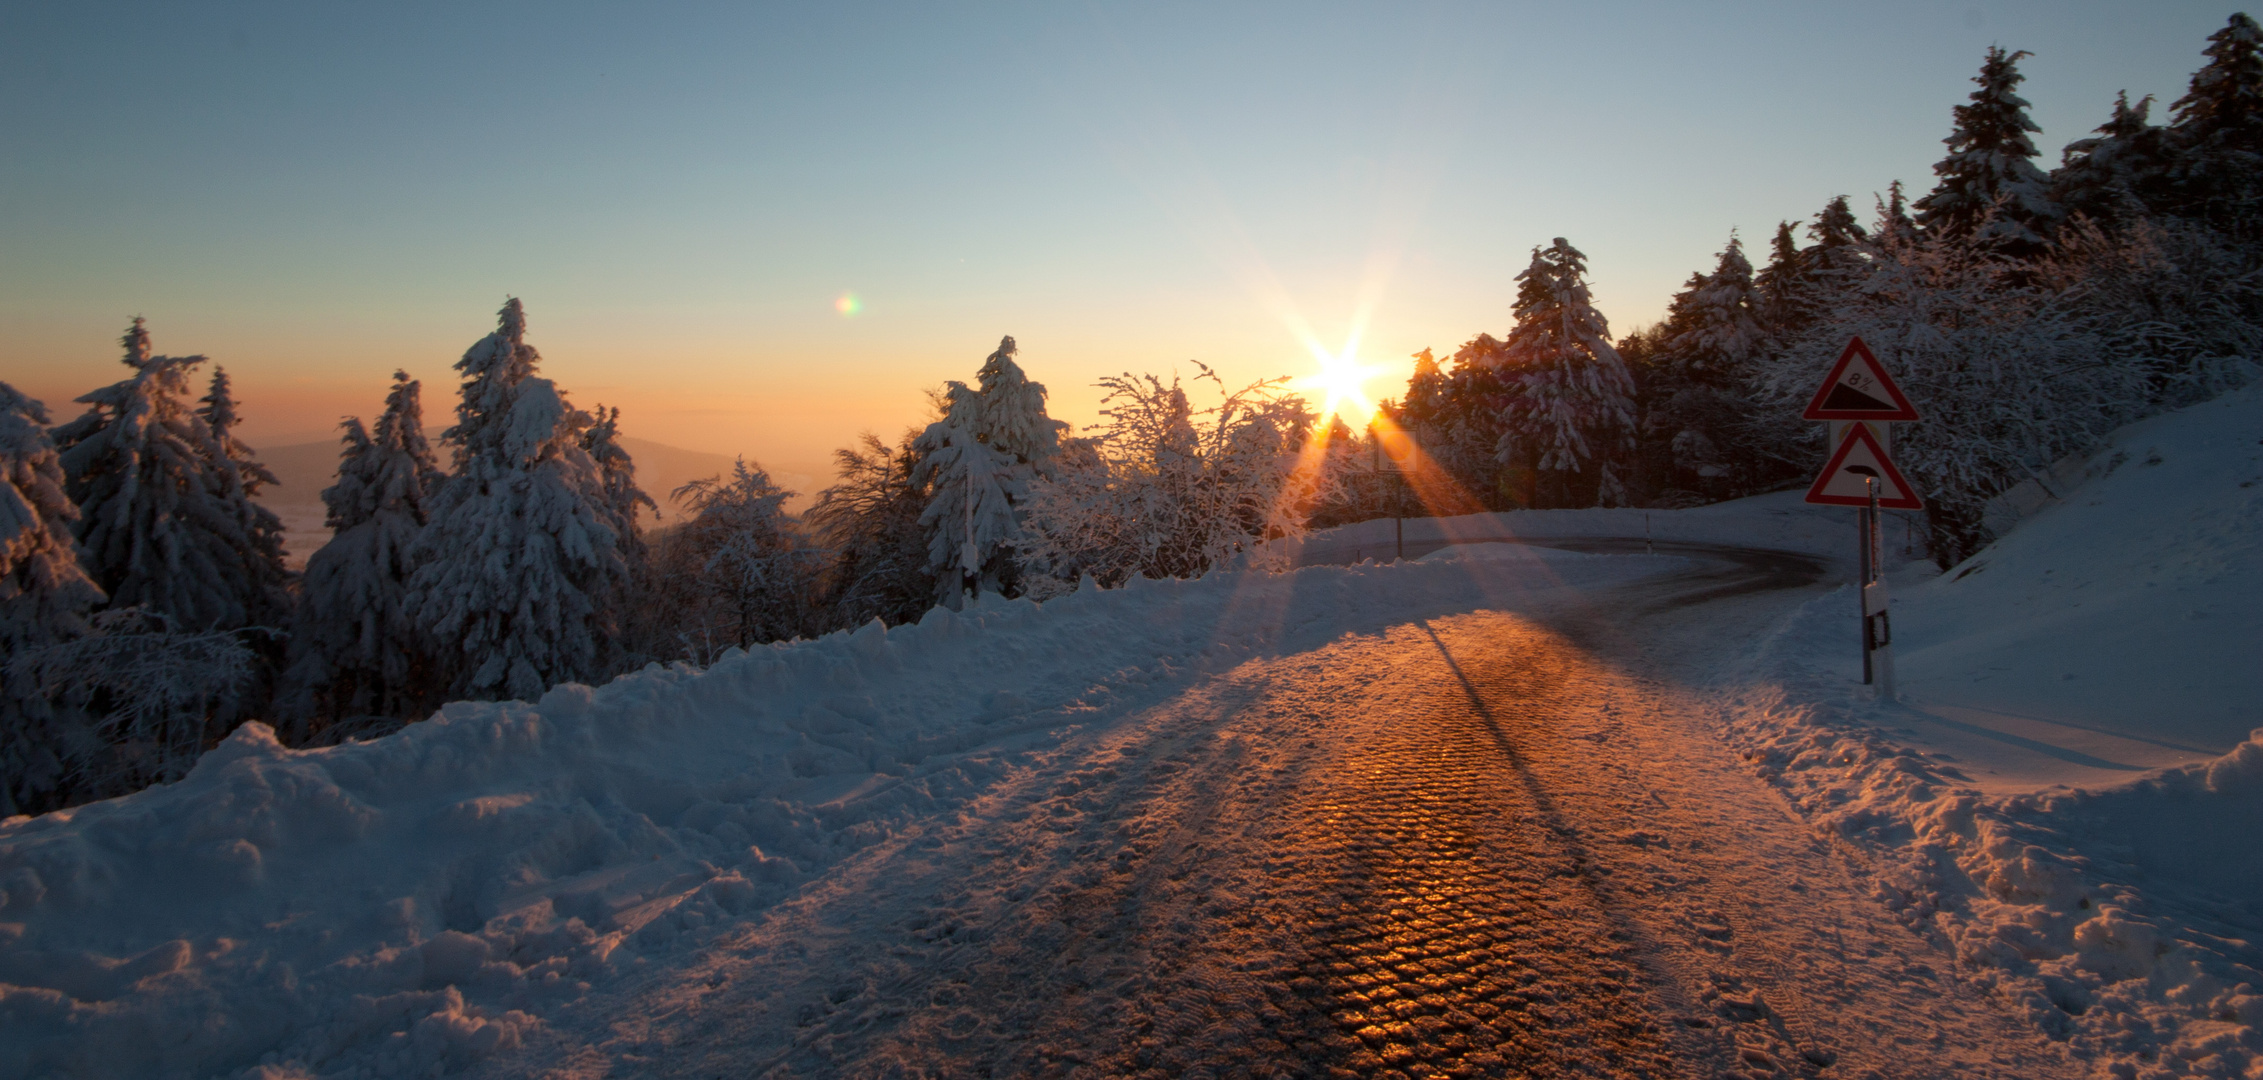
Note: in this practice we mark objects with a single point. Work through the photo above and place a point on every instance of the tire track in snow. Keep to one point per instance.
(1330, 864)
(1344, 886)
(1749, 910)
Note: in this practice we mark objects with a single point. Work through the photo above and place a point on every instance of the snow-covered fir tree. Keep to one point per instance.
(1570, 406)
(1991, 191)
(1010, 412)
(357, 659)
(977, 462)
(970, 518)
(2003, 362)
(1425, 398)
(1840, 257)
(1779, 285)
(2111, 176)
(2168, 296)
(165, 522)
(2225, 101)
(1801, 284)
(1699, 394)
(217, 408)
(2217, 152)
(45, 597)
(740, 571)
(1461, 432)
(624, 500)
(1723, 326)
(237, 476)
(1413, 416)
(1894, 220)
(161, 672)
(517, 564)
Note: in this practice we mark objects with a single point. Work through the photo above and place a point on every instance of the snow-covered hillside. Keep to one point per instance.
(2071, 788)
(2121, 628)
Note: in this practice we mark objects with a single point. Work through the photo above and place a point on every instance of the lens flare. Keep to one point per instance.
(1341, 382)
(848, 303)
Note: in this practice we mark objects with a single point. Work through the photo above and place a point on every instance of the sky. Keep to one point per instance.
(762, 228)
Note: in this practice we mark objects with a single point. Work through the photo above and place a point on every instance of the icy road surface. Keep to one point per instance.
(1477, 845)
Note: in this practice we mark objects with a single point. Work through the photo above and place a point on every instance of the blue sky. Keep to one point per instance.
(315, 194)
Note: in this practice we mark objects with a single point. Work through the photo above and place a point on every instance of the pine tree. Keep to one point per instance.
(1782, 299)
(969, 520)
(1424, 404)
(623, 498)
(45, 597)
(1570, 401)
(237, 476)
(1947, 317)
(1990, 190)
(978, 462)
(161, 522)
(1894, 223)
(2224, 106)
(518, 564)
(355, 652)
(1800, 285)
(2218, 134)
(1010, 412)
(1840, 256)
(741, 571)
(1698, 397)
(1723, 314)
(218, 410)
(2111, 177)
(1464, 434)
(164, 532)
(44, 593)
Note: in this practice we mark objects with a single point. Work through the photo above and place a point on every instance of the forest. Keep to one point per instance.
(147, 609)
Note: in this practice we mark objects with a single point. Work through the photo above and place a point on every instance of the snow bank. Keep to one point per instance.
(2123, 623)
(2116, 906)
(427, 899)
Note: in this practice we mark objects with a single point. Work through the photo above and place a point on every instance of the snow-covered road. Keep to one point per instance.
(1506, 807)
(1475, 844)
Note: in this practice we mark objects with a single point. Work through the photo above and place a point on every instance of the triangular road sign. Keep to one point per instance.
(1859, 458)
(1858, 388)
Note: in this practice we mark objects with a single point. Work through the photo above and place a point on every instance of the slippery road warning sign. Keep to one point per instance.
(1858, 388)
(1859, 459)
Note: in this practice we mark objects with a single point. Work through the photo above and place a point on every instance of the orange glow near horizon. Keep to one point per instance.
(1342, 382)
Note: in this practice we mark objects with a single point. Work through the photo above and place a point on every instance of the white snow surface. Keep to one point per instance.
(2084, 846)
(425, 900)
(2070, 791)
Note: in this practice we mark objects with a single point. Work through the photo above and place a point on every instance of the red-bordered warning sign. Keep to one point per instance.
(1859, 459)
(1858, 388)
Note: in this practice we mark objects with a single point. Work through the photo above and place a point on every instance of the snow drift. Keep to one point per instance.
(2116, 907)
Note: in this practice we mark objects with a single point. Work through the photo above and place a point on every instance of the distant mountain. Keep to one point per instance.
(302, 470)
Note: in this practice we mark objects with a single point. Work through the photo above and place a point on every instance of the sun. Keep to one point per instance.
(1341, 382)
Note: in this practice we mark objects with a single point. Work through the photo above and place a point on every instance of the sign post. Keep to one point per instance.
(1394, 454)
(1877, 629)
(1861, 403)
